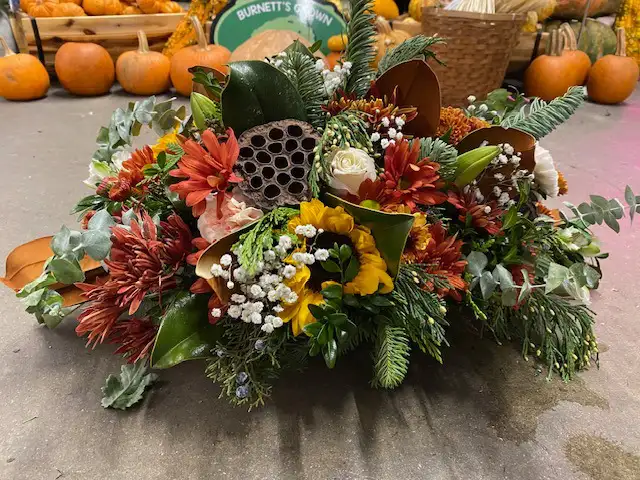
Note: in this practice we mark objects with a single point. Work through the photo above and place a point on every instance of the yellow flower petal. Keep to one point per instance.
(304, 316)
(362, 240)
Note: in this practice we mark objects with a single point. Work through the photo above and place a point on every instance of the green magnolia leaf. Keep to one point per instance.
(96, 243)
(185, 332)
(126, 389)
(487, 284)
(556, 276)
(476, 263)
(101, 220)
(66, 271)
(257, 93)
(390, 230)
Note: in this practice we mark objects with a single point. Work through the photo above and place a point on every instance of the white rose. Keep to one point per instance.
(545, 172)
(349, 168)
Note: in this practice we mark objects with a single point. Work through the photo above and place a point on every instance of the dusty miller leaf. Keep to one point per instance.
(126, 389)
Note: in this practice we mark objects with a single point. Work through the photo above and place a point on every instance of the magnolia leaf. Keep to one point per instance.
(185, 332)
(556, 276)
(630, 198)
(487, 284)
(66, 271)
(101, 220)
(96, 243)
(257, 93)
(476, 263)
(390, 230)
(503, 277)
(126, 389)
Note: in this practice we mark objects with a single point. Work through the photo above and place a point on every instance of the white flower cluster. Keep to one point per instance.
(333, 79)
(263, 291)
(507, 156)
(394, 132)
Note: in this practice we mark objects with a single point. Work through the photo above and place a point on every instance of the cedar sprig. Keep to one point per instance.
(359, 52)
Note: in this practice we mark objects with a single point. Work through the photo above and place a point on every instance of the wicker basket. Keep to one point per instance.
(477, 51)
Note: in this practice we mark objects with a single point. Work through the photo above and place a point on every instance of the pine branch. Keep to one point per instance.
(440, 152)
(361, 34)
(391, 356)
(301, 71)
(541, 118)
(415, 48)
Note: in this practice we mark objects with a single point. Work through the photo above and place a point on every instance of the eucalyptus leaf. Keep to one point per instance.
(101, 220)
(556, 276)
(503, 277)
(96, 243)
(476, 263)
(143, 110)
(66, 271)
(185, 332)
(257, 93)
(487, 284)
(630, 198)
(509, 297)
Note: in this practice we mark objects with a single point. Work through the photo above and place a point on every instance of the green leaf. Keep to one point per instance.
(312, 329)
(476, 263)
(381, 301)
(487, 284)
(126, 389)
(323, 335)
(315, 47)
(185, 332)
(331, 266)
(503, 277)
(390, 230)
(332, 292)
(510, 219)
(391, 356)
(317, 312)
(345, 252)
(96, 243)
(257, 93)
(330, 353)
(630, 198)
(337, 319)
(352, 269)
(556, 276)
(510, 297)
(101, 220)
(351, 300)
(66, 271)
(525, 290)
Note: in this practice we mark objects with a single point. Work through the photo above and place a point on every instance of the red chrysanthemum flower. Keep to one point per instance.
(368, 190)
(208, 169)
(442, 257)
(141, 262)
(408, 179)
(484, 216)
(126, 183)
(135, 337)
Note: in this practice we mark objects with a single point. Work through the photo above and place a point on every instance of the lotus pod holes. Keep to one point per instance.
(275, 159)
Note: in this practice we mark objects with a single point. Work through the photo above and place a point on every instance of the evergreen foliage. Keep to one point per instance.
(361, 34)
(441, 152)
(415, 48)
(390, 356)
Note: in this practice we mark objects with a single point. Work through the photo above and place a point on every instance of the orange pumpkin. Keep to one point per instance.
(213, 56)
(143, 72)
(387, 39)
(77, 2)
(331, 60)
(25, 4)
(613, 78)
(84, 68)
(581, 61)
(22, 76)
(42, 8)
(170, 7)
(103, 7)
(550, 76)
(67, 10)
(131, 10)
(149, 6)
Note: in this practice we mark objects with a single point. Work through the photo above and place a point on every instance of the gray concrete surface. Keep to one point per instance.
(484, 414)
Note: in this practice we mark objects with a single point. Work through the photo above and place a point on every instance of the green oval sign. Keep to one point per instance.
(242, 19)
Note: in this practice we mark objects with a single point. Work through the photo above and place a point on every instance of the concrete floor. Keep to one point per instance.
(484, 414)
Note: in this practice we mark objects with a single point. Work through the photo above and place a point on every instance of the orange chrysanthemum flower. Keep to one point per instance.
(455, 121)
(483, 216)
(127, 182)
(208, 170)
(549, 212)
(563, 186)
(409, 180)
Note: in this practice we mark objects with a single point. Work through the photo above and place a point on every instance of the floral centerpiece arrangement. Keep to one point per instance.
(300, 212)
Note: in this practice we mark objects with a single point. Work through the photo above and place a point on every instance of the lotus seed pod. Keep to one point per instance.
(275, 159)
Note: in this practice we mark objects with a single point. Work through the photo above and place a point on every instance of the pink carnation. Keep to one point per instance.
(235, 215)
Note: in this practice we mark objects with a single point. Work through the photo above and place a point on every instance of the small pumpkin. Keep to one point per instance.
(581, 61)
(416, 6)
(84, 68)
(149, 6)
(131, 10)
(103, 7)
(387, 39)
(331, 60)
(42, 8)
(613, 78)
(67, 10)
(143, 72)
(386, 8)
(550, 76)
(337, 43)
(170, 7)
(25, 4)
(202, 54)
(22, 76)
(77, 2)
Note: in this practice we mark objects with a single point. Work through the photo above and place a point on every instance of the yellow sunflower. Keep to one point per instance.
(337, 226)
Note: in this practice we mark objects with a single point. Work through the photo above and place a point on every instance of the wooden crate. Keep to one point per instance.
(116, 33)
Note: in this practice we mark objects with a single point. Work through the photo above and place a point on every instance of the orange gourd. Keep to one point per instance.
(143, 72)
(213, 56)
(77, 2)
(22, 76)
(387, 39)
(131, 10)
(170, 7)
(581, 61)
(84, 68)
(331, 60)
(67, 10)
(149, 6)
(42, 8)
(25, 4)
(103, 7)
(613, 78)
(550, 76)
